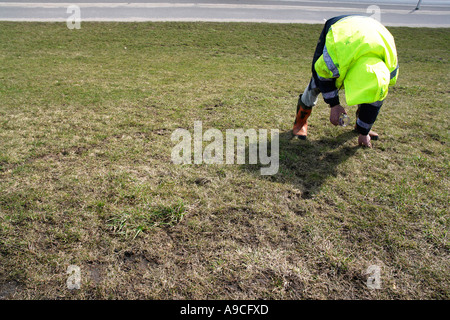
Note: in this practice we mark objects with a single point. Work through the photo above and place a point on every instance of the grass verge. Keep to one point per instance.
(86, 176)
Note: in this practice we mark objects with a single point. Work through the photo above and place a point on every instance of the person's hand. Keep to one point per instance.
(364, 141)
(335, 113)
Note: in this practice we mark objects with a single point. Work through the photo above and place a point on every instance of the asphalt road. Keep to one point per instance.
(295, 11)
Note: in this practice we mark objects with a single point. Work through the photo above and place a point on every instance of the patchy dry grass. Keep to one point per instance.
(86, 176)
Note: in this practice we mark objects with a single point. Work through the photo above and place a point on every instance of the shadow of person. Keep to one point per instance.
(307, 164)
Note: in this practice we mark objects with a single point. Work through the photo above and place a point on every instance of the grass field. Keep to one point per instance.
(86, 177)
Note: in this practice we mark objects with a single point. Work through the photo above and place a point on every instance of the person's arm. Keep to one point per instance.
(329, 91)
(326, 81)
(366, 117)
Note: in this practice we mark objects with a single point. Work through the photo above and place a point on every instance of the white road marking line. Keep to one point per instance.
(211, 6)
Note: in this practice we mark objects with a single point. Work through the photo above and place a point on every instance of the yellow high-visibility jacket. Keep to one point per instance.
(360, 54)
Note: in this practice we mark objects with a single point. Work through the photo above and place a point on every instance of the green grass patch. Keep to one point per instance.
(86, 177)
